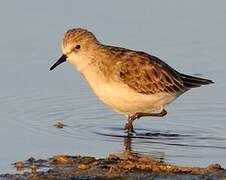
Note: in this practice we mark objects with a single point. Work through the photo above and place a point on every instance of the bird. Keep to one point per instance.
(133, 83)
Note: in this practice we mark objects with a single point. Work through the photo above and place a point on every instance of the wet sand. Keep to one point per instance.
(115, 166)
(124, 165)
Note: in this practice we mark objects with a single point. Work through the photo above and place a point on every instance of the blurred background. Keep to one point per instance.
(188, 35)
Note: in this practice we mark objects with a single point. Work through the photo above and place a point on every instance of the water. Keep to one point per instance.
(190, 36)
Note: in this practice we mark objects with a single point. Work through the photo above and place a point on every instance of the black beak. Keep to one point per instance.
(61, 60)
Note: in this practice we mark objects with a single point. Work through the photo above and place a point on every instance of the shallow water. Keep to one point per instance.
(190, 36)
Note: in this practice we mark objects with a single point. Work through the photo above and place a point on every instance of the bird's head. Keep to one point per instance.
(78, 46)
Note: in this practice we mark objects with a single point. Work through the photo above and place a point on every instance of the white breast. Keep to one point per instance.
(122, 98)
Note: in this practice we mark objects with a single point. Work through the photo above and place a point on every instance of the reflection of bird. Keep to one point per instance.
(129, 153)
(131, 82)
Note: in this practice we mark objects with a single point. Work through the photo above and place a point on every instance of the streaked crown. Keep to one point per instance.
(79, 36)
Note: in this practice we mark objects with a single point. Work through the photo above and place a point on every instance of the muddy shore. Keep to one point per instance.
(113, 167)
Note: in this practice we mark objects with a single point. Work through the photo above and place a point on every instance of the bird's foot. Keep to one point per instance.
(129, 128)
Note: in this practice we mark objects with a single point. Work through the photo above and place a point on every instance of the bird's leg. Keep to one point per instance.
(160, 114)
(129, 124)
(131, 118)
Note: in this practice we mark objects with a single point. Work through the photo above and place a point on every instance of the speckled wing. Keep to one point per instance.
(149, 75)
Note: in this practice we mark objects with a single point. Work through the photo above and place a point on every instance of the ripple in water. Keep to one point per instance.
(87, 120)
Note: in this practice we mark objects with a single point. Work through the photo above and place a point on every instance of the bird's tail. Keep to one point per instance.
(192, 82)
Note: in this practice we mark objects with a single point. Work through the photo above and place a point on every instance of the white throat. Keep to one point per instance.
(80, 60)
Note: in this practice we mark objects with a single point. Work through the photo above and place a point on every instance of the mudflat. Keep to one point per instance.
(115, 166)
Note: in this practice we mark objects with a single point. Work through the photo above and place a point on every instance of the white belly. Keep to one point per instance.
(125, 100)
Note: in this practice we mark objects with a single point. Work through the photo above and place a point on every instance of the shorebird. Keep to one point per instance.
(131, 82)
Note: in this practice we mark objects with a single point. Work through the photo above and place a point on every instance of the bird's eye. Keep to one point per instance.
(77, 46)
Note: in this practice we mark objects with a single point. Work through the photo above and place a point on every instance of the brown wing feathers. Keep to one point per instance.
(149, 75)
(145, 75)
(192, 82)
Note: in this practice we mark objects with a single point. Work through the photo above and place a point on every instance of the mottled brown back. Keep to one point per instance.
(147, 74)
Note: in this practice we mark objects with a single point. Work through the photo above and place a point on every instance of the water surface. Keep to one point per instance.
(190, 36)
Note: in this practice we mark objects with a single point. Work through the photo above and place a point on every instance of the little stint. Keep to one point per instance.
(131, 82)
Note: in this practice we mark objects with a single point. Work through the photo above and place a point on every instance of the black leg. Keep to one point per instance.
(129, 122)
(129, 126)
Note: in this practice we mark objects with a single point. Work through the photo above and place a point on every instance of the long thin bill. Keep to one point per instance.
(61, 60)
